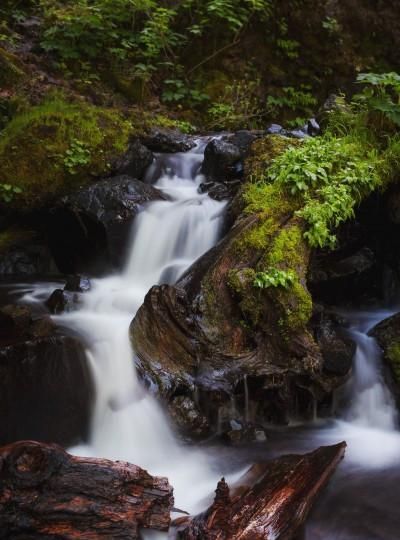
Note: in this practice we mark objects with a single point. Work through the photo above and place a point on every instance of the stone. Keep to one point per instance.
(168, 140)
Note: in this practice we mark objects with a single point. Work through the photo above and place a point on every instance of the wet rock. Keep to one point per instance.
(89, 230)
(60, 301)
(40, 397)
(135, 161)
(187, 418)
(337, 350)
(243, 140)
(220, 191)
(242, 432)
(221, 161)
(26, 260)
(336, 279)
(15, 319)
(77, 283)
(387, 334)
(168, 140)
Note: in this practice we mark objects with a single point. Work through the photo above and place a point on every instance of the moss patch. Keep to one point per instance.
(393, 355)
(263, 152)
(10, 69)
(38, 147)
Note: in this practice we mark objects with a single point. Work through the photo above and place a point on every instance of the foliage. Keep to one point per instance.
(273, 277)
(77, 155)
(381, 93)
(7, 192)
(298, 100)
(43, 154)
(239, 107)
(331, 176)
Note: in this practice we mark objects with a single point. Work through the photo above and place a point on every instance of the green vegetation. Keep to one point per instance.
(273, 277)
(42, 154)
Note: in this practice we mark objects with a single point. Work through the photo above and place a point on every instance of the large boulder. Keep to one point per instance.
(135, 161)
(221, 161)
(90, 229)
(39, 369)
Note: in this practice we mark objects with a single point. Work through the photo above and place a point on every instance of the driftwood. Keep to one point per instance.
(270, 502)
(47, 493)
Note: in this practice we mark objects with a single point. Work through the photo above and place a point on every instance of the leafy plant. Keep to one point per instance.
(7, 192)
(273, 277)
(381, 93)
(298, 100)
(77, 155)
(330, 176)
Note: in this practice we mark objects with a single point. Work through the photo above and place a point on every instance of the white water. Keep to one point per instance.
(128, 423)
(369, 424)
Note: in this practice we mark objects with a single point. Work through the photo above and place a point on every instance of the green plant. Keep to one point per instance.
(273, 277)
(330, 176)
(77, 155)
(298, 100)
(177, 90)
(381, 93)
(7, 192)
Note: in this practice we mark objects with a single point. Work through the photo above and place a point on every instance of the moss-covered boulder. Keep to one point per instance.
(56, 147)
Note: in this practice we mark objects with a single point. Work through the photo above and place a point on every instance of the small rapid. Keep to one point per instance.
(127, 421)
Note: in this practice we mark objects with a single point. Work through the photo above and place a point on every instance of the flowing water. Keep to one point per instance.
(128, 423)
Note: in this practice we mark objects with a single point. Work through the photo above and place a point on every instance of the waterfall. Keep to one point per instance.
(168, 236)
(369, 423)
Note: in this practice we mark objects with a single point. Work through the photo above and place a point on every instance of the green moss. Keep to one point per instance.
(10, 69)
(35, 145)
(393, 355)
(263, 152)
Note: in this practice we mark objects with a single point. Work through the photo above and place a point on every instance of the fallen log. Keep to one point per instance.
(270, 502)
(47, 493)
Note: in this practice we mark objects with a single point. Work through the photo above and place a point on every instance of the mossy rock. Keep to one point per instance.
(57, 147)
(11, 70)
(263, 152)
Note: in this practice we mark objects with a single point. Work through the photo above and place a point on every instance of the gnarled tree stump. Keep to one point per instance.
(270, 502)
(47, 493)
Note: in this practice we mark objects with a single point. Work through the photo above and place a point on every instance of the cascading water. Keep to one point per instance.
(127, 421)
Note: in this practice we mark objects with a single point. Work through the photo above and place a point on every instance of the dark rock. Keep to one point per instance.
(25, 260)
(337, 350)
(15, 319)
(333, 279)
(60, 301)
(187, 418)
(135, 161)
(221, 161)
(90, 229)
(220, 191)
(45, 384)
(244, 433)
(243, 140)
(168, 140)
(77, 283)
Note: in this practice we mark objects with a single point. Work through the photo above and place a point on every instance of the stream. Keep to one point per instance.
(361, 501)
